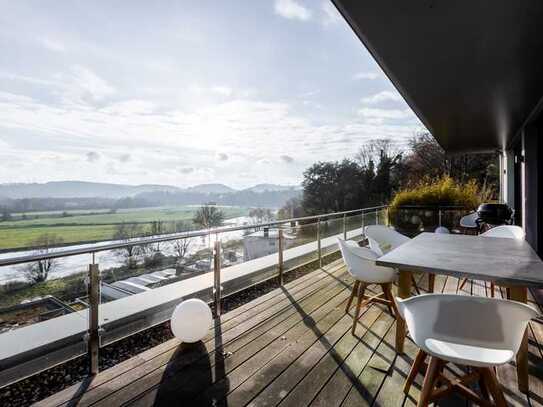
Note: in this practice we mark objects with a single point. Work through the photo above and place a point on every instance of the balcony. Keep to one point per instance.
(291, 346)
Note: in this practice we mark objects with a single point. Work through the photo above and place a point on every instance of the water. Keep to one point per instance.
(107, 259)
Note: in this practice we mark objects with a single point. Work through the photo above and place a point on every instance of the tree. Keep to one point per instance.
(333, 187)
(427, 159)
(382, 165)
(39, 271)
(181, 248)
(292, 209)
(6, 214)
(125, 232)
(208, 216)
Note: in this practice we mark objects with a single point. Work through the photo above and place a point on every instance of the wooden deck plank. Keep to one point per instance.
(303, 285)
(152, 372)
(262, 379)
(268, 344)
(338, 387)
(161, 354)
(293, 347)
(303, 376)
(333, 375)
(336, 323)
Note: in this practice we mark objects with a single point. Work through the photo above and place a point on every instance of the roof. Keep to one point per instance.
(469, 70)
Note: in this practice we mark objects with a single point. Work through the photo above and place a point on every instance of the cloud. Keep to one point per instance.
(384, 96)
(286, 158)
(375, 113)
(222, 90)
(124, 158)
(82, 86)
(222, 157)
(92, 156)
(291, 9)
(186, 170)
(330, 13)
(366, 76)
(52, 45)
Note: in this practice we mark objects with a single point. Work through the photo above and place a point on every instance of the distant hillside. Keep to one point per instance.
(271, 187)
(78, 189)
(64, 195)
(211, 189)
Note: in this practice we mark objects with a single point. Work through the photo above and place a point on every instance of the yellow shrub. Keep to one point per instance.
(444, 191)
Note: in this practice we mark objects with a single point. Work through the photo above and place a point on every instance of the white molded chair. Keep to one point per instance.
(383, 239)
(506, 231)
(469, 221)
(489, 334)
(360, 262)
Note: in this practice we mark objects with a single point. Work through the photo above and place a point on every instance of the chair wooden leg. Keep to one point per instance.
(387, 291)
(413, 281)
(493, 386)
(483, 386)
(463, 283)
(353, 294)
(492, 289)
(415, 369)
(429, 379)
(431, 282)
(361, 290)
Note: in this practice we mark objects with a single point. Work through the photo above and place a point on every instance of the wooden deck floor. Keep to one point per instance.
(292, 347)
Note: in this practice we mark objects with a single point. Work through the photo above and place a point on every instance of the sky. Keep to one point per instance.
(184, 92)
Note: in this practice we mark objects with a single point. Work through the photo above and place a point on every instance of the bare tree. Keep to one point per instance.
(39, 271)
(208, 216)
(125, 232)
(181, 248)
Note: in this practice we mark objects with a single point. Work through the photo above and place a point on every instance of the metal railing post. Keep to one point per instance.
(363, 223)
(94, 305)
(345, 227)
(377, 216)
(217, 277)
(319, 241)
(439, 217)
(280, 256)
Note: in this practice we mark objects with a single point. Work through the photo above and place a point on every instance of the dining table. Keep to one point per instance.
(511, 263)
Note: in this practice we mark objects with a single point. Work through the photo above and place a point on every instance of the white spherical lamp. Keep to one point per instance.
(191, 320)
(443, 230)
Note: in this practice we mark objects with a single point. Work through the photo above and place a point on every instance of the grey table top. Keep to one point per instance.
(505, 261)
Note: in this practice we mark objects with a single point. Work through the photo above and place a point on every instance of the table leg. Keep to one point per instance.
(404, 291)
(520, 294)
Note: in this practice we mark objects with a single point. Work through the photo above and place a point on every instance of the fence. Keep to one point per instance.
(121, 301)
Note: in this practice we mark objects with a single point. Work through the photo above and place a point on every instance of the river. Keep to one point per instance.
(107, 259)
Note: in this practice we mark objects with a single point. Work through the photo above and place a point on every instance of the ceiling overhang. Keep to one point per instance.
(472, 71)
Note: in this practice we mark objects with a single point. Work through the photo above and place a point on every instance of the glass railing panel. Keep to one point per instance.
(141, 284)
(41, 301)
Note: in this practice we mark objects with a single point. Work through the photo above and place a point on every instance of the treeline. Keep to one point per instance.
(267, 199)
(381, 168)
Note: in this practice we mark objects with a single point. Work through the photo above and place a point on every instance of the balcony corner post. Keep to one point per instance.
(94, 305)
(280, 256)
(344, 226)
(217, 278)
(319, 252)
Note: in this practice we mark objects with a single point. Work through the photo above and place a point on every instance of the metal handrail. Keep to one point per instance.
(11, 261)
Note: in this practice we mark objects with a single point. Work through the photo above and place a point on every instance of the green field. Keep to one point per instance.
(92, 227)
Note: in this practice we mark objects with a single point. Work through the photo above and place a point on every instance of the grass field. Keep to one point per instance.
(83, 228)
